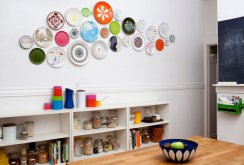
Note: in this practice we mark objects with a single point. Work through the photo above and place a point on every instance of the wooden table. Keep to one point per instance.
(209, 152)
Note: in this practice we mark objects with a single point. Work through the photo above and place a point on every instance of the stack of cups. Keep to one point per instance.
(57, 98)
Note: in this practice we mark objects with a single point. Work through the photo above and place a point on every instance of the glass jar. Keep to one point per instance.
(14, 158)
(100, 144)
(78, 147)
(22, 133)
(87, 125)
(105, 147)
(23, 156)
(132, 119)
(43, 154)
(104, 121)
(115, 145)
(145, 136)
(30, 128)
(96, 148)
(32, 157)
(96, 120)
(110, 139)
(88, 146)
(112, 119)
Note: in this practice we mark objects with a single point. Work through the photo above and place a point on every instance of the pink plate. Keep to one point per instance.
(62, 38)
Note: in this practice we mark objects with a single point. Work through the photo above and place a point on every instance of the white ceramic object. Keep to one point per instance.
(9, 132)
(138, 42)
(150, 48)
(163, 30)
(118, 15)
(73, 16)
(99, 50)
(26, 42)
(56, 57)
(43, 37)
(126, 41)
(152, 33)
(81, 99)
(74, 33)
(141, 26)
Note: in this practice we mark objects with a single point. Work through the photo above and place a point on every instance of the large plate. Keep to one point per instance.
(89, 31)
(37, 56)
(79, 53)
(115, 43)
(73, 16)
(103, 12)
(99, 50)
(138, 42)
(129, 26)
(141, 26)
(26, 42)
(43, 37)
(56, 57)
(152, 33)
(55, 20)
(163, 30)
(114, 27)
(160, 45)
(62, 38)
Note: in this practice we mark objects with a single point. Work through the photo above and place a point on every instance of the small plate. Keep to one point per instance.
(73, 16)
(26, 42)
(104, 32)
(163, 30)
(138, 42)
(86, 12)
(56, 57)
(141, 26)
(152, 33)
(79, 53)
(43, 37)
(37, 56)
(114, 28)
(167, 42)
(118, 15)
(62, 38)
(129, 26)
(55, 20)
(103, 12)
(150, 48)
(99, 49)
(126, 41)
(115, 43)
(172, 38)
(74, 33)
(89, 31)
(160, 45)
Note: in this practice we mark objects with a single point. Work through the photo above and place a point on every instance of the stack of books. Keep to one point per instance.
(58, 152)
(135, 139)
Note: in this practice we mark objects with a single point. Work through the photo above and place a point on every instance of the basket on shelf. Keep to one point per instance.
(234, 109)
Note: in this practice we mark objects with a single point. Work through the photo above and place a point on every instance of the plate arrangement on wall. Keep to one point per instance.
(55, 20)
(73, 16)
(56, 57)
(26, 42)
(89, 31)
(129, 26)
(138, 42)
(62, 38)
(37, 56)
(99, 49)
(103, 13)
(43, 37)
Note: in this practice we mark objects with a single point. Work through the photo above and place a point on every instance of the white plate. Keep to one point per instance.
(56, 57)
(73, 16)
(141, 26)
(115, 43)
(163, 30)
(126, 41)
(74, 33)
(99, 50)
(150, 48)
(26, 42)
(138, 42)
(79, 53)
(118, 15)
(152, 33)
(43, 37)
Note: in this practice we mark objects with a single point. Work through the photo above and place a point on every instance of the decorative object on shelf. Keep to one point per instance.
(156, 133)
(69, 102)
(32, 157)
(74, 33)
(79, 53)
(98, 103)
(77, 124)
(88, 146)
(118, 15)
(145, 135)
(160, 45)
(152, 33)
(167, 42)
(43, 37)
(87, 125)
(105, 147)
(55, 20)
(100, 145)
(57, 102)
(141, 26)
(126, 41)
(73, 16)
(96, 148)
(81, 99)
(137, 117)
(147, 114)
(43, 154)
(26, 42)
(104, 32)
(37, 56)
(172, 38)
(96, 120)
(104, 121)
(57, 91)
(129, 26)
(56, 57)
(132, 119)
(9, 132)
(138, 42)
(89, 31)
(232, 105)
(62, 38)
(78, 147)
(112, 119)
(91, 100)
(115, 43)
(103, 12)
(150, 48)
(163, 30)
(114, 27)
(30, 128)
(156, 118)
(86, 12)
(23, 156)
(22, 133)
(99, 50)
(47, 106)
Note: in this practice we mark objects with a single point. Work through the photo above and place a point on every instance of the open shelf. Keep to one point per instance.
(96, 131)
(142, 124)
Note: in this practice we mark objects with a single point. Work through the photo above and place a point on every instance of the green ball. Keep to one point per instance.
(177, 145)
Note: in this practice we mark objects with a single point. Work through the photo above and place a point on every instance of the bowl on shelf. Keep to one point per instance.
(178, 155)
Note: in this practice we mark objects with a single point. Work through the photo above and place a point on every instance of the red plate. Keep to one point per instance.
(103, 12)
(160, 45)
(62, 38)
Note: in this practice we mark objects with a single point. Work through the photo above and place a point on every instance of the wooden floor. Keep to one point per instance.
(209, 152)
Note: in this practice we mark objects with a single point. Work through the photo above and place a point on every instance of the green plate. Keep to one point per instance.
(37, 56)
(86, 12)
(129, 26)
(114, 27)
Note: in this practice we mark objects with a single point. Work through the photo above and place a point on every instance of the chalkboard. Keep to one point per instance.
(231, 50)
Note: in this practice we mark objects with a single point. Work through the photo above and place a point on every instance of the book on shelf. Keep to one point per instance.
(135, 139)
(58, 152)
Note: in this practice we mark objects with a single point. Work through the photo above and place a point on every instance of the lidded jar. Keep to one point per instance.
(78, 147)
(145, 136)
(14, 158)
(32, 157)
(96, 120)
(22, 133)
(88, 146)
(43, 154)
(112, 119)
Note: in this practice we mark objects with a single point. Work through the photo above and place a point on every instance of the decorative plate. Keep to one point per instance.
(74, 33)
(86, 12)
(62, 38)
(89, 31)
(103, 12)
(56, 57)
(160, 45)
(129, 26)
(167, 42)
(141, 26)
(150, 48)
(37, 56)
(138, 42)
(114, 27)
(118, 15)
(104, 32)
(26, 42)
(172, 38)
(79, 53)
(126, 41)
(163, 30)
(73, 16)
(55, 20)
(99, 50)
(43, 37)
(115, 43)
(152, 33)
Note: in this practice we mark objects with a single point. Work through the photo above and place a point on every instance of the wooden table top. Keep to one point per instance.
(209, 152)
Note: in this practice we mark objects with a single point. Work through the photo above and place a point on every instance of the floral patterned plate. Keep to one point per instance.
(56, 57)
(152, 33)
(129, 26)
(103, 12)
(55, 20)
(89, 31)
(43, 37)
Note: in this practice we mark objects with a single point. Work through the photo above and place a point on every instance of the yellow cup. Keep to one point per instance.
(98, 103)
(137, 117)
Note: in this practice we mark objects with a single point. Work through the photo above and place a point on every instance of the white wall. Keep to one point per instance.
(230, 9)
